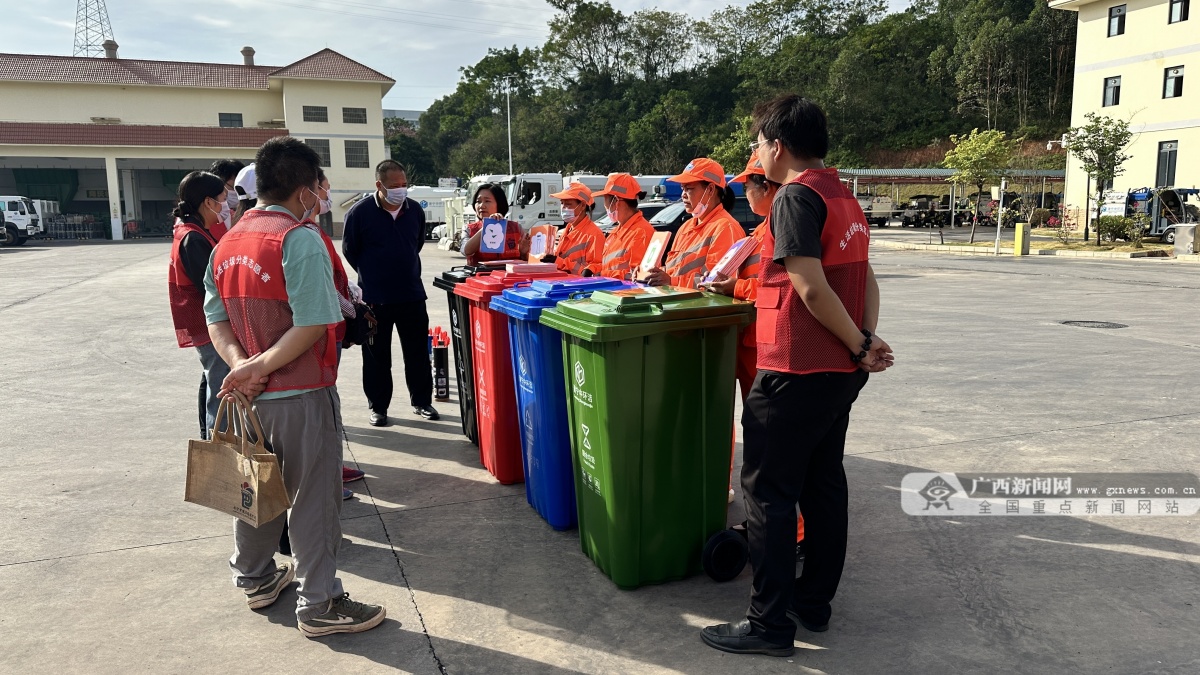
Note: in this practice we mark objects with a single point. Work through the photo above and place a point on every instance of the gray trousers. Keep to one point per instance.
(305, 433)
(211, 379)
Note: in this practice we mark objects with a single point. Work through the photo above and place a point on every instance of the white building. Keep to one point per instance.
(112, 137)
(1131, 59)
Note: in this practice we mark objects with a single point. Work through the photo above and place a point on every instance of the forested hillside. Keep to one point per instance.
(647, 91)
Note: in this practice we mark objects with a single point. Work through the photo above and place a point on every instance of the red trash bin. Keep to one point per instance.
(495, 393)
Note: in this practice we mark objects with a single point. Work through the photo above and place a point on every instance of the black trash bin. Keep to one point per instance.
(460, 313)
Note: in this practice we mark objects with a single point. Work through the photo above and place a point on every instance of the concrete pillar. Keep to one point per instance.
(114, 197)
(129, 189)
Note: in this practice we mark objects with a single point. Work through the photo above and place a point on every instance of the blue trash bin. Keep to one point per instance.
(541, 393)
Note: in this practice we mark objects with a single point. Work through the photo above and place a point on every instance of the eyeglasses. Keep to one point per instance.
(756, 144)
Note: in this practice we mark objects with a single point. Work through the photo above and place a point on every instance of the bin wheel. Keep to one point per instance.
(725, 555)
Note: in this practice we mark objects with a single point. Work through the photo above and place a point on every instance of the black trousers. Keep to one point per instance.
(411, 322)
(795, 435)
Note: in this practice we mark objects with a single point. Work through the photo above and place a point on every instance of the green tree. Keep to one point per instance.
(665, 138)
(404, 146)
(979, 159)
(734, 150)
(1100, 146)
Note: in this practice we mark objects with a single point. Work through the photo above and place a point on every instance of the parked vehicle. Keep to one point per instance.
(21, 220)
(879, 209)
(933, 211)
(1166, 208)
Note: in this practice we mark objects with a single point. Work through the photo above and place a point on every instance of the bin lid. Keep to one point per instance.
(483, 287)
(456, 275)
(527, 300)
(634, 312)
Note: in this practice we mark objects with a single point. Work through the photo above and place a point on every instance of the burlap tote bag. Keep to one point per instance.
(234, 473)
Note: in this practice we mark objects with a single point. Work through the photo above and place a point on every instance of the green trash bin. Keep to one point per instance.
(650, 374)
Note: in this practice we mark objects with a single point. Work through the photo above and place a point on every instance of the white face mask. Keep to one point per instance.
(701, 208)
(308, 212)
(396, 196)
(231, 199)
(326, 206)
(610, 209)
(568, 214)
(224, 215)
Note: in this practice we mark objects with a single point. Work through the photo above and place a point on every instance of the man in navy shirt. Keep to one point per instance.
(382, 242)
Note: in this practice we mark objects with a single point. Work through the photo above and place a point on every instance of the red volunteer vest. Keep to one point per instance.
(790, 339)
(248, 272)
(187, 301)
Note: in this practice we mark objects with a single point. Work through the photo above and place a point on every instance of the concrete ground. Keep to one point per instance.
(105, 569)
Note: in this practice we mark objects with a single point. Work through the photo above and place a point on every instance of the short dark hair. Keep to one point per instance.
(226, 169)
(193, 190)
(320, 175)
(497, 193)
(796, 122)
(382, 168)
(283, 165)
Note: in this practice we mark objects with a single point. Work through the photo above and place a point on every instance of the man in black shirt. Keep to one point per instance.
(818, 306)
(382, 241)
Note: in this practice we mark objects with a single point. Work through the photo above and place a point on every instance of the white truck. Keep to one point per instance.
(529, 200)
(432, 201)
(20, 220)
(878, 209)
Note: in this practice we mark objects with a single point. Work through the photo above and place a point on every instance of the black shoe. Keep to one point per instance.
(739, 638)
(379, 419)
(808, 625)
(425, 411)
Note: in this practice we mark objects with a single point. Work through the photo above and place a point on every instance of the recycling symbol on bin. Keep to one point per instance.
(524, 366)
(586, 443)
(454, 317)
(580, 376)
(478, 329)
(528, 420)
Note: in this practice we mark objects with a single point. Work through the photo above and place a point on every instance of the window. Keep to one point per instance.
(1179, 11)
(321, 145)
(531, 193)
(1116, 21)
(316, 113)
(14, 206)
(1112, 91)
(230, 120)
(354, 115)
(1173, 82)
(1167, 154)
(357, 155)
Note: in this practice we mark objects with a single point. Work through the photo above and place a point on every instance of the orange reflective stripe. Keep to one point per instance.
(697, 263)
(575, 249)
(615, 255)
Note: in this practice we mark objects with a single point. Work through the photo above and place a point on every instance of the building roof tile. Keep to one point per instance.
(324, 65)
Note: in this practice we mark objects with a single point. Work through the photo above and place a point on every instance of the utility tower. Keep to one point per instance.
(91, 28)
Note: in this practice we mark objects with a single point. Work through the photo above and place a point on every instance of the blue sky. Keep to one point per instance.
(420, 43)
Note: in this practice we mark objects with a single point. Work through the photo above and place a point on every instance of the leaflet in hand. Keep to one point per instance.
(494, 231)
(732, 261)
(541, 242)
(654, 253)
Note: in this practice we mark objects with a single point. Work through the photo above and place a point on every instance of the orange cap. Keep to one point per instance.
(576, 191)
(699, 170)
(753, 168)
(621, 185)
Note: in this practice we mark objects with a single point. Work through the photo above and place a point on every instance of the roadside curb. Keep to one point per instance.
(969, 250)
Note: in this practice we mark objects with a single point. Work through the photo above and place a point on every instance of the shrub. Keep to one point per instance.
(1040, 218)
(1137, 229)
(1112, 228)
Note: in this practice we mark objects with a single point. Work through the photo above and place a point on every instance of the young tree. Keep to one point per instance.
(1100, 146)
(979, 159)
